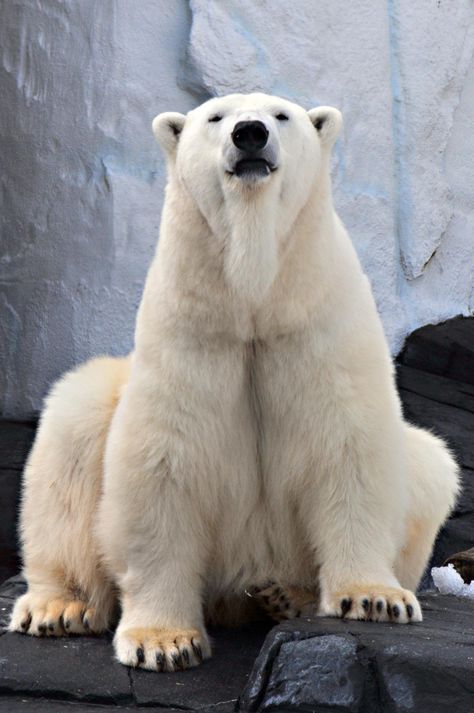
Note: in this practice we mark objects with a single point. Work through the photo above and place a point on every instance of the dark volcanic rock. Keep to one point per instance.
(332, 674)
(15, 442)
(16, 438)
(457, 535)
(438, 388)
(10, 481)
(360, 667)
(453, 424)
(446, 349)
(70, 668)
(52, 705)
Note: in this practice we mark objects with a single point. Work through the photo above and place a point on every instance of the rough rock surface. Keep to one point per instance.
(15, 442)
(318, 665)
(358, 667)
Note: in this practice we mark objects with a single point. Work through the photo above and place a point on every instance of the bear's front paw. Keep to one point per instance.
(372, 603)
(161, 649)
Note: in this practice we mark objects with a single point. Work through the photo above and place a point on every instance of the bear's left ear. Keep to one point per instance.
(328, 122)
(167, 128)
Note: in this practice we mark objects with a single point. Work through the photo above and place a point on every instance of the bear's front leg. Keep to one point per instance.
(162, 626)
(356, 536)
(152, 529)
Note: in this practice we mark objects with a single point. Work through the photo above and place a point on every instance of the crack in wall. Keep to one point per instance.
(402, 202)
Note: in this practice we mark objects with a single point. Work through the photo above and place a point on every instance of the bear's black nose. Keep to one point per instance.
(250, 136)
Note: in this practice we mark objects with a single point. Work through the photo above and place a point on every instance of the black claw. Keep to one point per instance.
(379, 607)
(396, 611)
(346, 605)
(86, 625)
(365, 605)
(160, 662)
(51, 627)
(42, 628)
(177, 661)
(389, 609)
(67, 624)
(197, 650)
(25, 625)
(61, 623)
(185, 655)
(140, 655)
(409, 611)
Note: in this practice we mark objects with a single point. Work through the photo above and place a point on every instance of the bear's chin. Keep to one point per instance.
(251, 251)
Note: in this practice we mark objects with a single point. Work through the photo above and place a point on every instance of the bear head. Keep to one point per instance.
(249, 162)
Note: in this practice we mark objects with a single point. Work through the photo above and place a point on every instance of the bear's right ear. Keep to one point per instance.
(167, 128)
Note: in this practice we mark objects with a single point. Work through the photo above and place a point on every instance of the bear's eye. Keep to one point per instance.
(215, 119)
(282, 117)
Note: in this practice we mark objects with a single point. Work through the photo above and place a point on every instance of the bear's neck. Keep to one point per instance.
(248, 231)
(232, 279)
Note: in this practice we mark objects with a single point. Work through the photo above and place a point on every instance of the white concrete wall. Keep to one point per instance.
(82, 179)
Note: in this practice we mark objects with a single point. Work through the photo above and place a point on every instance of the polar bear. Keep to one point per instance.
(254, 434)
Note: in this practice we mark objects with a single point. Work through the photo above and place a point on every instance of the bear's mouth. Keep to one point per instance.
(249, 167)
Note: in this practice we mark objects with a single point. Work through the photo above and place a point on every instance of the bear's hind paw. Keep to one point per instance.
(53, 617)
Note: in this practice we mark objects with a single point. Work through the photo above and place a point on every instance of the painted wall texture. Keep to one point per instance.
(82, 180)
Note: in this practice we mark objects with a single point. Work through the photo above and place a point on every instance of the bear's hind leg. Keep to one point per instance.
(49, 608)
(68, 587)
(433, 487)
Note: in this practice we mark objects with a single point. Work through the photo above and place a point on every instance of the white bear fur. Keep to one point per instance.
(255, 434)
